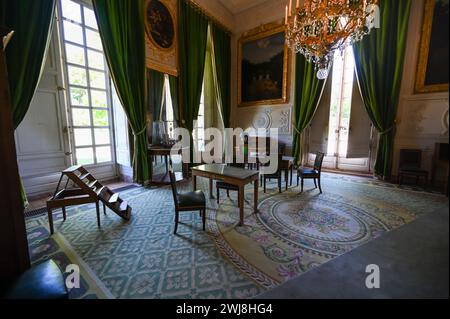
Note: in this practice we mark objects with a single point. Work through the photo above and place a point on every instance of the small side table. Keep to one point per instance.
(164, 178)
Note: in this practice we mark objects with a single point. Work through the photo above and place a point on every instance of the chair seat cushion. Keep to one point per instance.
(272, 176)
(224, 185)
(191, 199)
(414, 171)
(44, 281)
(307, 171)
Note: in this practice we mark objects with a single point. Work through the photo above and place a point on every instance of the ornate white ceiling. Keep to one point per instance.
(237, 6)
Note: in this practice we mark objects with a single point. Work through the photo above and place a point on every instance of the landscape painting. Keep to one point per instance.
(263, 68)
(432, 75)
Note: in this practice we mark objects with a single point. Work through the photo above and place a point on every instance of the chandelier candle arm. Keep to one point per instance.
(319, 28)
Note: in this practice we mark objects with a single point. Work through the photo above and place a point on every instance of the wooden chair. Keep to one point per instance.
(410, 165)
(312, 173)
(190, 201)
(277, 175)
(228, 187)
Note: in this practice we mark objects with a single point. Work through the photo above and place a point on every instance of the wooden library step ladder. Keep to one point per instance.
(87, 190)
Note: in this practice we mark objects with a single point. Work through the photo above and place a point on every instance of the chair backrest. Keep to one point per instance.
(319, 161)
(238, 165)
(410, 158)
(173, 183)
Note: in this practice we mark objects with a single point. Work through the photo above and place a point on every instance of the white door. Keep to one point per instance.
(42, 142)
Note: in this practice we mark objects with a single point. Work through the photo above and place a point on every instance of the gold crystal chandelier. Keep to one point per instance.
(320, 27)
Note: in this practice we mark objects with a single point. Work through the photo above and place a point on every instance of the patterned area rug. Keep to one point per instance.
(291, 234)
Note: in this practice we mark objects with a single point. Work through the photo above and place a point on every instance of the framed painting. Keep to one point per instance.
(263, 66)
(432, 70)
(161, 35)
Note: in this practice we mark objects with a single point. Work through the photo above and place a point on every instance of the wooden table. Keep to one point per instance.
(164, 178)
(232, 175)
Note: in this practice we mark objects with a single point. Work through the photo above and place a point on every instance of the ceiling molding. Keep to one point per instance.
(238, 6)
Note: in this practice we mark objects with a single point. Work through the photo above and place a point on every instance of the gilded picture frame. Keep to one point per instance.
(433, 50)
(161, 29)
(258, 82)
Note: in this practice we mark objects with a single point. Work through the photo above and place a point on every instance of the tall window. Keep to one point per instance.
(199, 134)
(209, 113)
(167, 114)
(88, 84)
(341, 103)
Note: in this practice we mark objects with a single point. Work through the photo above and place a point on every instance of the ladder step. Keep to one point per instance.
(123, 206)
(114, 198)
(72, 169)
(92, 184)
(100, 190)
(84, 176)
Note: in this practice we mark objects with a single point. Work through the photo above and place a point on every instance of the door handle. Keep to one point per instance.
(68, 153)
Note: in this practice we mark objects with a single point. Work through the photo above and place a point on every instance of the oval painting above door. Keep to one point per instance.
(159, 24)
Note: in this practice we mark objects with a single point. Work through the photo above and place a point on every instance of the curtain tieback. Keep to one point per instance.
(387, 131)
(295, 128)
(141, 131)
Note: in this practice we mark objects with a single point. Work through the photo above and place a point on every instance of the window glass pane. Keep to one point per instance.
(98, 98)
(71, 10)
(103, 154)
(93, 40)
(77, 75)
(84, 156)
(73, 32)
(79, 96)
(89, 18)
(83, 136)
(100, 117)
(75, 54)
(95, 60)
(97, 79)
(81, 117)
(101, 136)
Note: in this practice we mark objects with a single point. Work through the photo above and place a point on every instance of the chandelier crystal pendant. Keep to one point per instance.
(319, 28)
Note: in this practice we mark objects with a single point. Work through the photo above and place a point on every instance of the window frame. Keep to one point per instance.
(86, 68)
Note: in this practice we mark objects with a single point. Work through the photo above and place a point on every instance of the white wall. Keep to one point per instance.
(280, 116)
(420, 117)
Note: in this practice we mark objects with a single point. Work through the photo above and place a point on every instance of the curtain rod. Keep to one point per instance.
(203, 11)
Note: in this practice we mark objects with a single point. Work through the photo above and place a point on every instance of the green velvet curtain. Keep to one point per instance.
(173, 82)
(193, 30)
(25, 54)
(222, 53)
(121, 26)
(155, 89)
(379, 61)
(308, 91)
(32, 22)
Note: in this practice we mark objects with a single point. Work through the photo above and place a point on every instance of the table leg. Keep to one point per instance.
(286, 177)
(255, 196)
(292, 170)
(151, 169)
(241, 204)
(211, 188)
(167, 163)
(194, 182)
